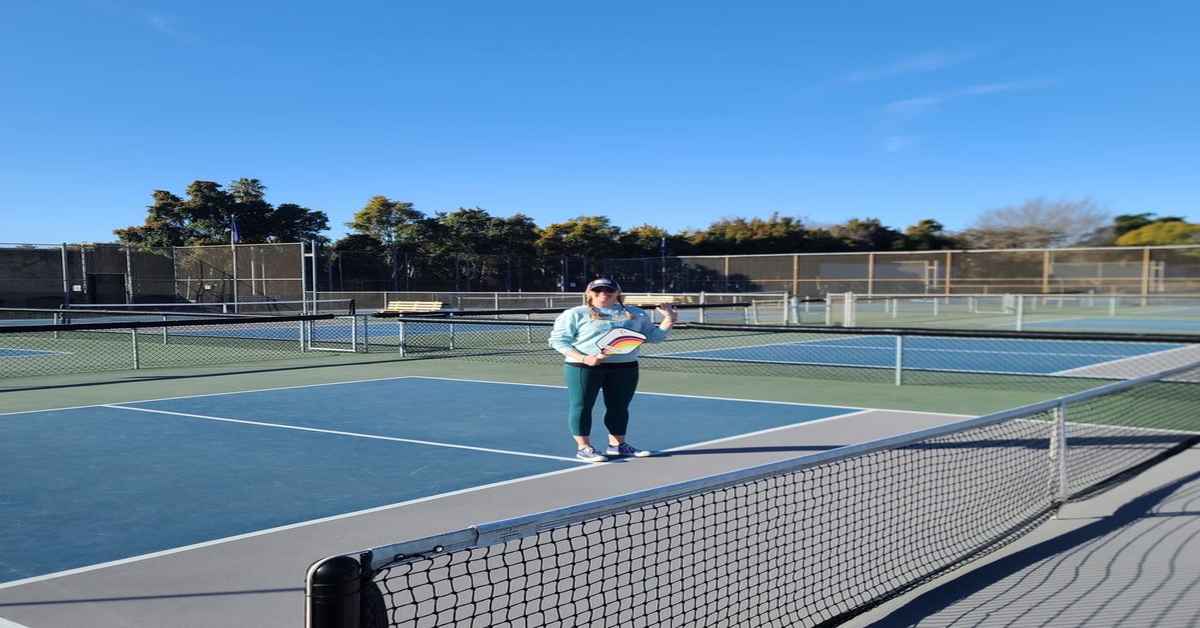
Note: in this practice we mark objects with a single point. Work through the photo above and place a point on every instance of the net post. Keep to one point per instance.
(936, 303)
(828, 310)
(137, 362)
(702, 308)
(895, 308)
(451, 336)
(400, 336)
(354, 334)
(301, 335)
(333, 593)
(57, 321)
(753, 312)
(1020, 311)
(1112, 305)
(848, 310)
(899, 360)
(366, 321)
(1058, 456)
(164, 333)
(529, 329)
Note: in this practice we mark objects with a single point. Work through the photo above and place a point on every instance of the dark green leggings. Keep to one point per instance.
(584, 384)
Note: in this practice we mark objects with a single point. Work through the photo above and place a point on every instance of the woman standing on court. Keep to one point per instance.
(588, 371)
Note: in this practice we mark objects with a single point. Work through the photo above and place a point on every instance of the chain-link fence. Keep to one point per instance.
(33, 275)
(1104, 270)
(38, 342)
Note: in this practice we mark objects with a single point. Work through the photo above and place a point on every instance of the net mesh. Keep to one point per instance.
(808, 542)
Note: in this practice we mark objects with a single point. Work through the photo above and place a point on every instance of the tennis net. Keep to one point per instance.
(1164, 313)
(811, 541)
(240, 308)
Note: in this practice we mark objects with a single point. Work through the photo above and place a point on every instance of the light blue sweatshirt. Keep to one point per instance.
(576, 329)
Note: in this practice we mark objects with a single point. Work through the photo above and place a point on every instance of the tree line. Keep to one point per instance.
(209, 213)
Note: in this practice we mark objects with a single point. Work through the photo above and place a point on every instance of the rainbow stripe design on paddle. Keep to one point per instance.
(620, 342)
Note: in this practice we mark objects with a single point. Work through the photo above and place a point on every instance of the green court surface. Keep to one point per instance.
(35, 393)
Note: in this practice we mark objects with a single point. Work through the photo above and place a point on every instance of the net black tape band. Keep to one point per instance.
(240, 320)
(545, 310)
(768, 330)
(951, 333)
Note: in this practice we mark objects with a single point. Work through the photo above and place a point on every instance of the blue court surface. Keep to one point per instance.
(7, 352)
(983, 355)
(1102, 324)
(100, 483)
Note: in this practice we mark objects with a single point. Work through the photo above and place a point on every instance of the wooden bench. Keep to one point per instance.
(398, 308)
(641, 300)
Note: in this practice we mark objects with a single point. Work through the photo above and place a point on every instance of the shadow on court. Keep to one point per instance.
(1125, 544)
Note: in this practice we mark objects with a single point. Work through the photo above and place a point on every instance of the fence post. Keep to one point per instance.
(1145, 275)
(870, 274)
(899, 360)
(128, 276)
(137, 363)
(66, 275)
(233, 254)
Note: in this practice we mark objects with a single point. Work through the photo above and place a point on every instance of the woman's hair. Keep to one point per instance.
(587, 298)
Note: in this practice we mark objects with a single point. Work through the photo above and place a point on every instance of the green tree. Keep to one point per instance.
(867, 234)
(1157, 233)
(584, 236)
(776, 234)
(206, 216)
(927, 235)
(398, 227)
(645, 241)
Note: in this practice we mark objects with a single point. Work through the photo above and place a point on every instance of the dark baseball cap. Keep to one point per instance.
(603, 283)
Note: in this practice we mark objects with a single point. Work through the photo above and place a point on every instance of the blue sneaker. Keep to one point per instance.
(587, 454)
(625, 450)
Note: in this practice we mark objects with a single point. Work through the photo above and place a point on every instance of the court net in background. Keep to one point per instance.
(1083, 312)
(241, 308)
(806, 542)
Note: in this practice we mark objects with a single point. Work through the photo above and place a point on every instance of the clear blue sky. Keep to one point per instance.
(674, 113)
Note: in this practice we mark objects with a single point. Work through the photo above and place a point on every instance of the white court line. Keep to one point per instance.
(299, 428)
(768, 430)
(663, 394)
(892, 349)
(365, 511)
(216, 394)
(454, 379)
(1153, 354)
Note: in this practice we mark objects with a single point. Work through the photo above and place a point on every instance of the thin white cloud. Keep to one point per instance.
(921, 104)
(1000, 88)
(897, 143)
(925, 62)
(162, 24)
(912, 106)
